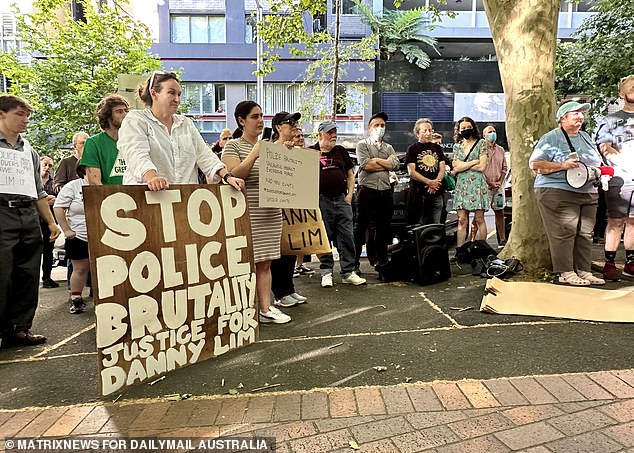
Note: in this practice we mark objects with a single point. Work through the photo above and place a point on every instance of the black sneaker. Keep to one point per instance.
(48, 283)
(304, 270)
(77, 305)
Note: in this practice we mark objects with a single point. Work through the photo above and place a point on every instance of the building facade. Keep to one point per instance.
(213, 45)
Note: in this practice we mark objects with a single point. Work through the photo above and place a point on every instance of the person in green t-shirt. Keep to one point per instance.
(103, 163)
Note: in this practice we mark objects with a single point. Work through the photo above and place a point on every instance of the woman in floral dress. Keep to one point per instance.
(471, 193)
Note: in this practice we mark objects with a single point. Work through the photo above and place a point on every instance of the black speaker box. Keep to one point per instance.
(432, 256)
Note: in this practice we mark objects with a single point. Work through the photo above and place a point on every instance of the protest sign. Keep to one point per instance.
(16, 172)
(173, 278)
(289, 178)
(303, 232)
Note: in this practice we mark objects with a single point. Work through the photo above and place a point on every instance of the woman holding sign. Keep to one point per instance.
(162, 148)
(284, 127)
(241, 156)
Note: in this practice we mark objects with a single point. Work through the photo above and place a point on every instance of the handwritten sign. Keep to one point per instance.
(303, 232)
(289, 178)
(175, 279)
(17, 175)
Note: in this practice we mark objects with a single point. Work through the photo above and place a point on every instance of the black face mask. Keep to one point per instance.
(467, 134)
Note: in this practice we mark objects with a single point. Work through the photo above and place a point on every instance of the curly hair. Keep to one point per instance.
(456, 129)
(106, 106)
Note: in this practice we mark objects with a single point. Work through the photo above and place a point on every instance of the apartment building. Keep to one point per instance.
(213, 44)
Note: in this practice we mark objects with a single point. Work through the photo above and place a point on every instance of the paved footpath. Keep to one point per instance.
(584, 412)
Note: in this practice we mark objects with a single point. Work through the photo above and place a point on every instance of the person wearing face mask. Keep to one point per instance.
(494, 175)
(426, 168)
(568, 213)
(376, 203)
(471, 193)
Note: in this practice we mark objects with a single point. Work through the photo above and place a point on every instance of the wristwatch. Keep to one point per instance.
(225, 178)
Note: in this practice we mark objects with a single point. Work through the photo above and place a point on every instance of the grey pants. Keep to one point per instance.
(20, 256)
(568, 220)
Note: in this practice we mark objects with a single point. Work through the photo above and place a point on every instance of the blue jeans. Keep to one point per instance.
(337, 215)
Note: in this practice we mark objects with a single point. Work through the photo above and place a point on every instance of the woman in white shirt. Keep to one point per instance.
(69, 212)
(161, 147)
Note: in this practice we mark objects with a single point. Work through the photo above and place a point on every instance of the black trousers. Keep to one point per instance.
(47, 252)
(377, 206)
(20, 252)
(282, 276)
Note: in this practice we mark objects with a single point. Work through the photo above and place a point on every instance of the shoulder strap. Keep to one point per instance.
(572, 148)
(471, 150)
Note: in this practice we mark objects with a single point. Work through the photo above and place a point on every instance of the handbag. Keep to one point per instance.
(449, 181)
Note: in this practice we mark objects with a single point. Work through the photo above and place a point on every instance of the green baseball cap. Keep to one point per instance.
(572, 106)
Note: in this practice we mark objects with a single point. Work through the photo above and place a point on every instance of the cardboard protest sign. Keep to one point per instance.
(289, 178)
(174, 279)
(16, 172)
(303, 232)
(126, 87)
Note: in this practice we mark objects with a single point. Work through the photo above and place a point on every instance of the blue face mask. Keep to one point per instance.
(492, 136)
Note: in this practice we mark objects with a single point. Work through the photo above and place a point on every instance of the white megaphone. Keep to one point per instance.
(582, 174)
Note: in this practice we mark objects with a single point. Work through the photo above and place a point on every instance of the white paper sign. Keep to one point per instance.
(17, 172)
(289, 178)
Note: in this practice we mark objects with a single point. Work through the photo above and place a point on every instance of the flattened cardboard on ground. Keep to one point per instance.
(559, 301)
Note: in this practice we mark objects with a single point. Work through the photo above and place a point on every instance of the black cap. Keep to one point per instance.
(381, 115)
(281, 117)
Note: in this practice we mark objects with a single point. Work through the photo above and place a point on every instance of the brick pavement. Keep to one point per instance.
(589, 412)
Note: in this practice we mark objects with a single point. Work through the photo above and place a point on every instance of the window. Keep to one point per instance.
(347, 7)
(210, 125)
(278, 97)
(250, 30)
(284, 97)
(198, 29)
(319, 23)
(204, 98)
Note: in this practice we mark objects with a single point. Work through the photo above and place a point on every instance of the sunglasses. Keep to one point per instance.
(154, 73)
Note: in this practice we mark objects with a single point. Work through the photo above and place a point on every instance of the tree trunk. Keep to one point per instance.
(525, 38)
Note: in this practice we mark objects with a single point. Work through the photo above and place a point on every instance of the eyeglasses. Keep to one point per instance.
(151, 84)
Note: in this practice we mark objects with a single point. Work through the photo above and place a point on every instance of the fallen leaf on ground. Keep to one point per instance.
(354, 445)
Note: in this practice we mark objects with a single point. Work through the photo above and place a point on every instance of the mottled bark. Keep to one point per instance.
(525, 37)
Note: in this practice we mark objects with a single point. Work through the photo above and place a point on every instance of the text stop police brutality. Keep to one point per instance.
(188, 296)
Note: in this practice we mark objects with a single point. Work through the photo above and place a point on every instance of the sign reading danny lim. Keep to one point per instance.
(174, 279)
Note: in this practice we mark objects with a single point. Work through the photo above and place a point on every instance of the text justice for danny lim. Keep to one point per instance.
(139, 445)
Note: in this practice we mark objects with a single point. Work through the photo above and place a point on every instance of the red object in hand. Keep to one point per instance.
(607, 171)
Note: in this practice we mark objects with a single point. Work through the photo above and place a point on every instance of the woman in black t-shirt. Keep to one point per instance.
(426, 168)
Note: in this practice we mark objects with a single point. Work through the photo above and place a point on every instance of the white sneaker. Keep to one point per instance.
(299, 298)
(275, 316)
(286, 302)
(353, 279)
(326, 281)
